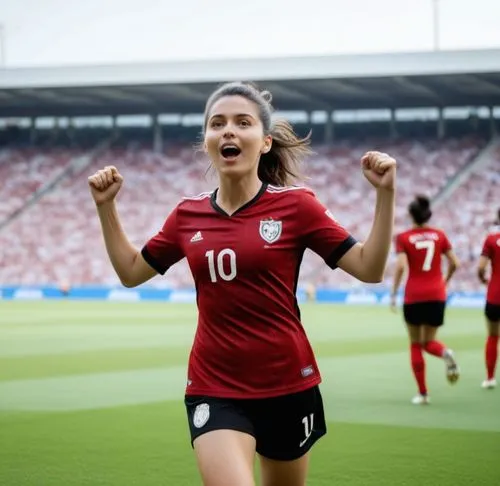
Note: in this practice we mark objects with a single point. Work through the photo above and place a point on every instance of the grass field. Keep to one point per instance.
(91, 394)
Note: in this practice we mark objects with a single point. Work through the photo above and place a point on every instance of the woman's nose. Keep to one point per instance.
(228, 131)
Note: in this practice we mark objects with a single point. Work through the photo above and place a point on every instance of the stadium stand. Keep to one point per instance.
(58, 240)
(24, 171)
(55, 237)
(468, 214)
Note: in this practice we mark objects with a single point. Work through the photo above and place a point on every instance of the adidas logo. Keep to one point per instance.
(196, 237)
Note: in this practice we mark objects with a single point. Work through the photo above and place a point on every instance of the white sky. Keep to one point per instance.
(62, 32)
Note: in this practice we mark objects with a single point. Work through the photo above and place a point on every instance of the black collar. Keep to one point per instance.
(213, 201)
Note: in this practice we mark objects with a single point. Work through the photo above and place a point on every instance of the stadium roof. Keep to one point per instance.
(420, 79)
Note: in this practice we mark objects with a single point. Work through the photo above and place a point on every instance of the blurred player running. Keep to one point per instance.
(419, 249)
(491, 255)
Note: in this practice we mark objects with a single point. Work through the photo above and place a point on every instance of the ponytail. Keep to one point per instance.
(280, 166)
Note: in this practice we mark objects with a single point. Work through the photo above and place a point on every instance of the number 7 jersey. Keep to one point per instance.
(423, 248)
(249, 341)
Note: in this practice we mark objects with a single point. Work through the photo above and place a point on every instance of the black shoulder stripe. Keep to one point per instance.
(340, 251)
(151, 261)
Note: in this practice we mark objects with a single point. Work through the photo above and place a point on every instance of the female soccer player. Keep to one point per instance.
(252, 377)
(491, 254)
(419, 249)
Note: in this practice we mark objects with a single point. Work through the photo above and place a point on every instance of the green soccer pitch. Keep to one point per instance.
(91, 394)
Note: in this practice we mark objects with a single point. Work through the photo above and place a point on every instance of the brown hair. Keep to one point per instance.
(279, 166)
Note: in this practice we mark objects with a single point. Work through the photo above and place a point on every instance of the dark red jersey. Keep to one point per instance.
(491, 250)
(249, 341)
(423, 248)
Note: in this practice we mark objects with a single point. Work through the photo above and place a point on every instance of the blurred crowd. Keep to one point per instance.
(57, 239)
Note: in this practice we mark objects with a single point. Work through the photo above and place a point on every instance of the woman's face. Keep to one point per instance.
(234, 136)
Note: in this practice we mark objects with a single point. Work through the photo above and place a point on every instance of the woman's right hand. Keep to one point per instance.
(105, 184)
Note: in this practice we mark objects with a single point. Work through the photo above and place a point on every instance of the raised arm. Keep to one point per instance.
(129, 265)
(367, 261)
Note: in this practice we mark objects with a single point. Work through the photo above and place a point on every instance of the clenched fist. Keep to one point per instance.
(105, 184)
(379, 169)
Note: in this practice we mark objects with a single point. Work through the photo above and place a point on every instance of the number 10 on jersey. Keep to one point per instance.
(216, 264)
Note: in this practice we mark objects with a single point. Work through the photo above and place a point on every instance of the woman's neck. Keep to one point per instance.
(234, 193)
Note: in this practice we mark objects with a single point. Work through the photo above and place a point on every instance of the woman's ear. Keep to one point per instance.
(268, 143)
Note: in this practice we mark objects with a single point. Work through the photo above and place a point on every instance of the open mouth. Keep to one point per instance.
(230, 151)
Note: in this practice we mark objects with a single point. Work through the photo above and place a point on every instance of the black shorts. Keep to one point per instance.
(492, 312)
(284, 427)
(430, 313)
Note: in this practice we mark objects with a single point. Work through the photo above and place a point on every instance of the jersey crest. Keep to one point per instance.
(270, 230)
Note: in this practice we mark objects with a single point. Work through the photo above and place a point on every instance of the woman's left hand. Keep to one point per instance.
(393, 304)
(380, 170)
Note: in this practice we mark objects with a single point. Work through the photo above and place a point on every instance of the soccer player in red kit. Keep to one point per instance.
(252, 376)
(491, 255)
(419, 249)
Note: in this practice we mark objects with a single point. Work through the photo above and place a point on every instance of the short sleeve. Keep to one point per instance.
(446, 244)
(399, 244)
(163, 249)
(320, 231)
(487, 250)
